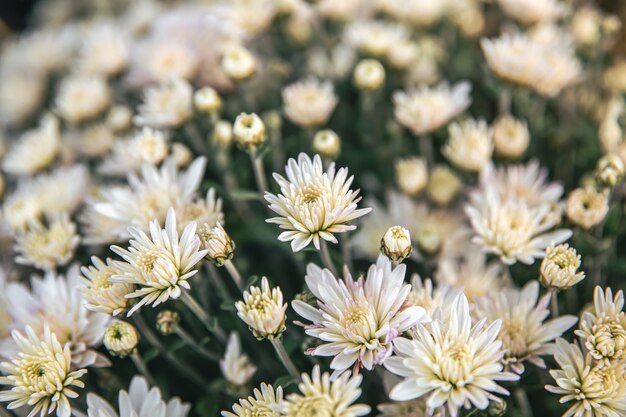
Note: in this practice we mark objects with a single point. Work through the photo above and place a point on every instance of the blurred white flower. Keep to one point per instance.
(100, 294)
(530, 12)
(424, 110)
(40, 375)
(525, 334)
(166, 105)
(586, 207)
(82, 97)
(35, 150)
(454, 363)
(203, 211)
(358, 320)
(159, 264)
(146, 146)
(313, 204)
(236, 366)
(21, 93)
(415, 12)
(57, 302)
(511, 136)
(309, 102)
(470, 145)
(440, 298)
(265, 402)
(139, 401)
(376, 37)
(105, 49)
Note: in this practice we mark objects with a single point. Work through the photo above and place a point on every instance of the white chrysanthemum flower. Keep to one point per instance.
(559, 268)
(62, 190)
(83, 97)
(40, 375)
(470, 145)
(97, 228)
(57, 301)
(427, 109)
(358, 320)
(262, 309)
(320, 395)
(376, 37)
(21, 93)
(533, 11)
(100, 294)
(309, 102)
(511, 136)
(545, 66)
(236, 366)
(146, 146)
(105, 50)
(454, 363)
(35, 150)
(238, 62)
(139, 401)
(168, 104)
(21, 208)
(47, 246)
(253, 16)
(265, 403)
(167, 58)
(596, 391)
(587, 207)
(95, 140)
(160, 264)
(471, 273)
(430, 298)
(603, 329)
(415, 12)
(443, 185)
(512, 229)
(411, 175)
(148, 196)
(313, 204)
(525, 335)
(203, 211)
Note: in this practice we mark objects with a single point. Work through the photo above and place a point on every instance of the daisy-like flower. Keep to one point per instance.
(168, 104)
(376, 37)
(83, 97)
(596, 391)
(416, 12)
(57, 301)
(425, 110)
(101, 295)
(559, 268)
(47, 247)
(236, 366)
(262, 309)
(217, 242)
(266, 402)
(511, 136)
(533, 11)
(470, 145)
(525, 334)
(546, 66)
(320, 395)
(453, 363)
(40, 375)
(586, 207)
(603, 329)
(105, 50)
(159, 264)
(35, 150)
(424, 294)
(512, 229)
(146, 146)
(313, 204)
(206, 210)
(309, 102)
(358, 320)
(139, 401)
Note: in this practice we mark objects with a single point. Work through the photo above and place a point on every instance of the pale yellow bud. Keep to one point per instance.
(610, 170)
(238, 63)
(369, 74)
(223, 133)
(396, 244)
(559, 268)
(181, 154)
(510, 136)
(207, 100)
(262, 309)
(167, 322)
(429, 239)
(327, 143)
(444, 185)
(411, 175)
(403, 55)
(586, 207)
(119, 118)
(249, 131)
(586, 26)
(219, 245)
(121, 338)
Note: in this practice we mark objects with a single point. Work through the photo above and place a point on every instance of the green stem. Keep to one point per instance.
(142, 367)
(326, 260)
(284, 357)
(197, 309)
(427, 149)
(186, 337)
(259, 172)
(234, 273)
(522, 401)
(554, 303)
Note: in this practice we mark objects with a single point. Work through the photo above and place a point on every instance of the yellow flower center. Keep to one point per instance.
(512, 335)
(311, 406)
(607, 340)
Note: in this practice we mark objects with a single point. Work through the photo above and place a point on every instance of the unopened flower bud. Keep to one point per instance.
(510, 136)
(411, 175)
(181, 154)
(121, 338)
(369, 74)
(249, 131)
(262, 309)
(217, 242)
(222, 133)
(119, 118)
(559, 268)
(327, 143)
(238, 63)
(586, 207)
(429, 240)
(207, 100)
(610, 170)
(497, 408)
(444, 185)
(167, 322)
(396, 244)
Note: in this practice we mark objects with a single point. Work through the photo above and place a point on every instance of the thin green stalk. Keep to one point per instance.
(141, 366)
(191, 342)
(259, 172)
(346, 250)
(523, 402)
(234, 273)
(554, 303)
(326, 260)
(203, 316)
(427, 149)
(284, 357)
